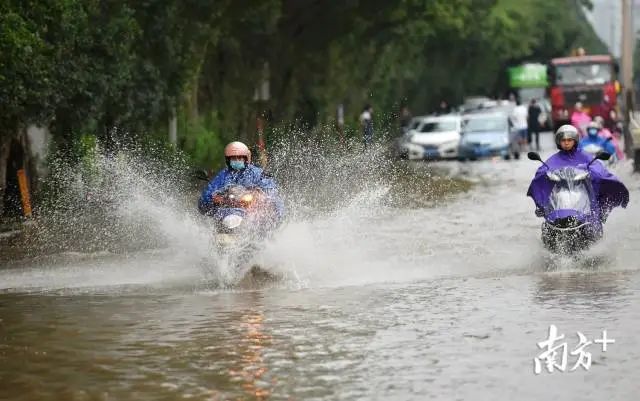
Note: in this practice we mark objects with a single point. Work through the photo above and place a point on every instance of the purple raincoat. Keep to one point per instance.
(609, 191)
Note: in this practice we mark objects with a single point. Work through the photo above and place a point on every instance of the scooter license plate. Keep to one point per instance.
(225, 239)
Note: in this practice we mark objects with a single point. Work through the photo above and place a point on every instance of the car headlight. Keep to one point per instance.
(450, 144)
(412, 147)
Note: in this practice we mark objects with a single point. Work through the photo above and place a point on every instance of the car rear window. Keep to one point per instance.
(486, 124)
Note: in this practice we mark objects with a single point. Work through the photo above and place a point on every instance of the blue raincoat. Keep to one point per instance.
(249, 177)
(597, 141)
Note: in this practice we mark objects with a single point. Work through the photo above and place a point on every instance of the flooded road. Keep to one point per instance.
(445, 302)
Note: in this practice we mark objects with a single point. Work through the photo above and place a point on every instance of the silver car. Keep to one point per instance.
(432, 137)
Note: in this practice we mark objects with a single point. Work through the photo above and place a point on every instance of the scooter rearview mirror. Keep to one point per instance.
(534, 156)
(600, 156)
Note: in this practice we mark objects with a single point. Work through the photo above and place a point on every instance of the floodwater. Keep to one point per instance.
(385, 303)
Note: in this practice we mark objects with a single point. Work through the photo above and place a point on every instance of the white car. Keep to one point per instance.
(434, 137)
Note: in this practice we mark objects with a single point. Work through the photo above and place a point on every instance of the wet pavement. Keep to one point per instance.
(389, 303)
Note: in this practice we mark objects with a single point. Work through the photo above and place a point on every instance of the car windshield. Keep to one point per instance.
(438, 126)
(583, 74)
(569, 193)
(486, 124)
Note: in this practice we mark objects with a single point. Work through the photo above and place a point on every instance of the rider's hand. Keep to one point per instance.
(217, 198)
(539, 212)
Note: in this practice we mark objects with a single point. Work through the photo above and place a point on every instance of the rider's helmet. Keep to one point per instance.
(566, 131)
(592, 129)
(237, 149)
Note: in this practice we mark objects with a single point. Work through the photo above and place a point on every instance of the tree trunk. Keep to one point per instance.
(173, 127)
(194, 113)
(5, 144)
(15, 155)
(61, 129)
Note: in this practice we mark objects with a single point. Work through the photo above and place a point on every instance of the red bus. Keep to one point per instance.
(589, 80)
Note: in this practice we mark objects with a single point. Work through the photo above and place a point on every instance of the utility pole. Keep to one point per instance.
(626, 56)
(612, 28)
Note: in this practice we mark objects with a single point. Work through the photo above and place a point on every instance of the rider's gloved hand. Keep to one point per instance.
(539, 212)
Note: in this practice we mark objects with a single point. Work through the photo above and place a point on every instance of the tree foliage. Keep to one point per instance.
(119, 69)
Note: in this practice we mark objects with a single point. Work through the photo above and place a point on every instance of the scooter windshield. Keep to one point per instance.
(571, 190)
(592, 148)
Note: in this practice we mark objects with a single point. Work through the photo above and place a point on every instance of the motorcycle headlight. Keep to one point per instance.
(246, 199)
(553, 177)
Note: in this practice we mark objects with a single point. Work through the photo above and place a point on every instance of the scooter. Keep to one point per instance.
(241, 216)
(572, 208)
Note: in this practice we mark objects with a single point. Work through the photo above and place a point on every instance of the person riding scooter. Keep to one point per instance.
(574, 193)
(240, 171)
(607, 134)
(594, 142)
(609, 191)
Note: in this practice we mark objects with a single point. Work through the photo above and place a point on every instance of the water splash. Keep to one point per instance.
(353, 217)
(124, 203)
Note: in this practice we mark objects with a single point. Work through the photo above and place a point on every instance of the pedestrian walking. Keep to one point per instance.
(518, 120)
(533, 123)
(443, 108)
(366, 121)
(405, 119)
